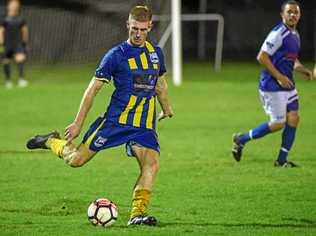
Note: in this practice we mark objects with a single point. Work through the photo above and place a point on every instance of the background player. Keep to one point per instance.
(13, 40)
(136, 68)
(279, 56)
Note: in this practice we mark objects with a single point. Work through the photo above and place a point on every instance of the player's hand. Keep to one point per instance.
(308, 74)
(72, 131)
(166, 114)
(285, 82)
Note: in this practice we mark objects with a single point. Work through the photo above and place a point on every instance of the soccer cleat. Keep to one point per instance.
(22, 83)
(142, 220)
(237, 147)
(287, 164)
(39, 141)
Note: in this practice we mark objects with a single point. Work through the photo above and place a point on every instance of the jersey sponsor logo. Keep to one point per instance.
(270, 45)
(154, 57)
(100, 141)
(144, 83)
(143, 86)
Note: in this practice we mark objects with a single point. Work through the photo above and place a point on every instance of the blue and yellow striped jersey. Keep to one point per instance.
(134, 71)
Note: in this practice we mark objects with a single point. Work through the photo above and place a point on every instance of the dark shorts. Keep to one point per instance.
(103, 134)
(10, 51)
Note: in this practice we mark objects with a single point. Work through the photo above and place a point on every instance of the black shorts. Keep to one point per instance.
(9, 52)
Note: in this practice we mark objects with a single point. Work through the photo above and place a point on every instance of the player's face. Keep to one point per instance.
(13, 8)
(138, 31)
(291, 15)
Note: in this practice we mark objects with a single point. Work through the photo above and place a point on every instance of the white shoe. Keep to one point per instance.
(8, 85)
(23, 83)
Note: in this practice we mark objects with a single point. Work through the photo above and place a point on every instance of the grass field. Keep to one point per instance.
(200, 190)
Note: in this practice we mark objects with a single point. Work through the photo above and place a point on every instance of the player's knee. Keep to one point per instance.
(75, 160)
(293, 119)
(154, 166)
(276, 126)
(20, 59)
(150, 169)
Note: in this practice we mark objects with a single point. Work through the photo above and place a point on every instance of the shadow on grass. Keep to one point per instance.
(307, 224)
(60, 207)
(300, 220)
(23, 152)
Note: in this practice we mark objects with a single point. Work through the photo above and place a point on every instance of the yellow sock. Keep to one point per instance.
(56, 145)
(140, 202)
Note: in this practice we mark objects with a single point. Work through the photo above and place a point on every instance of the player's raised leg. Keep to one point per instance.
(274, 104)
(148, 160)
(239, 140)
(72, 155)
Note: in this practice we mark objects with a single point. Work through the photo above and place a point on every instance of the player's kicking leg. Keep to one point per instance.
(275, 105)
(72, 155)
(149, 165)
(239, 140)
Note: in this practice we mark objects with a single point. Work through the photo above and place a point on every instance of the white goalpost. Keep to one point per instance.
(176, 42)
(174, 29)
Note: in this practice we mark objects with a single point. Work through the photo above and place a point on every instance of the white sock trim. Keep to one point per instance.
(284, 149)
(250, 134)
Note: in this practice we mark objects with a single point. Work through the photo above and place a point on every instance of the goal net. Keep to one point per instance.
(81, 31)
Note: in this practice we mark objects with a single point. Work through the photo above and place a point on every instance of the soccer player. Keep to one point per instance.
(279, 57)
(13, 40)
(137, 70)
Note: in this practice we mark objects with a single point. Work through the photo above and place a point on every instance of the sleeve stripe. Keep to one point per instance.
(102, 79)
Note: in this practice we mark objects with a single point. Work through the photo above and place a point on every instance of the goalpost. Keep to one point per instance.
(174, 28)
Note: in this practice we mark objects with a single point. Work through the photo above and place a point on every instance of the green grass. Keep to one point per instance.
(200, 190)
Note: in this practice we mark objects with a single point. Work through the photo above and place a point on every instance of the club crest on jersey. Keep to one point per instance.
(100, 141)
(270, 45)
(153, 57)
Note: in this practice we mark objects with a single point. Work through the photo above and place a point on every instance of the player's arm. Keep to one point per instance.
(161, 90)
(2, 30)
(264, 59)
(73, 130)
(25, 34)
(299, 67)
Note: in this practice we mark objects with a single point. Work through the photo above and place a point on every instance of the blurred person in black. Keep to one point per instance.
(13, 40)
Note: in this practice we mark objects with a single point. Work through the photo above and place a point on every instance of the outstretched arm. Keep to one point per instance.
(163, 99)
(264, 59)
(73, 130)
(299, 67)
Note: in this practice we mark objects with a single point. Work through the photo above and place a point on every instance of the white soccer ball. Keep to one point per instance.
(102, 212)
